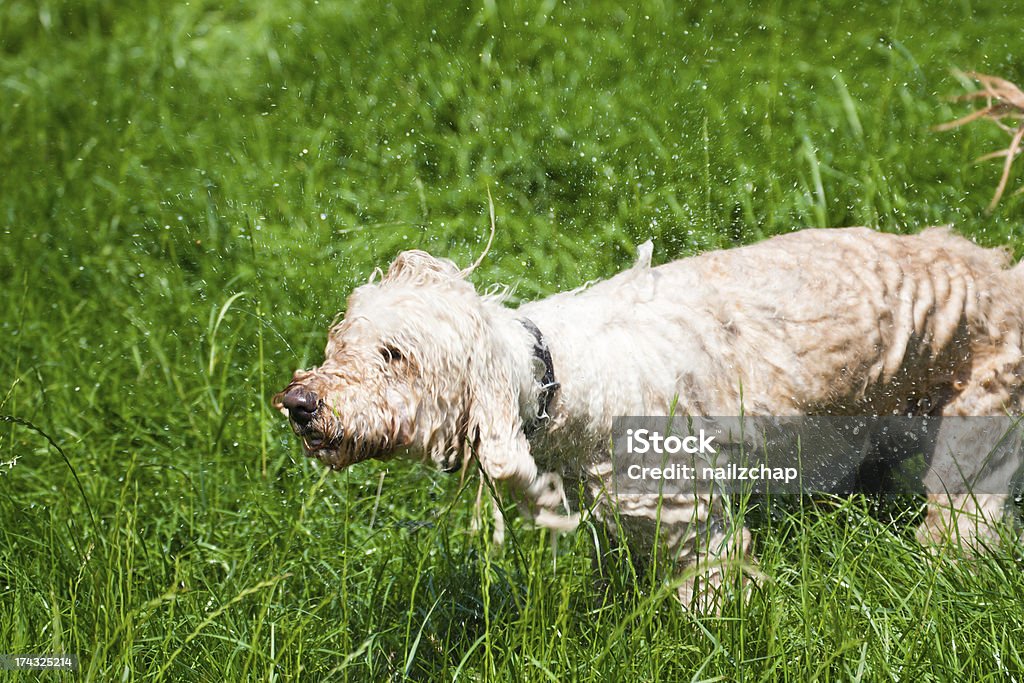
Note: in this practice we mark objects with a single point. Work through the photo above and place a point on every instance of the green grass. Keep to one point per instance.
(189, 191)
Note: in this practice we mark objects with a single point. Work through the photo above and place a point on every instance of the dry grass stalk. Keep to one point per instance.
(1003, 101)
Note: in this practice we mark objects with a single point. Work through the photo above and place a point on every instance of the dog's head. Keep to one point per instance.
(416, 367)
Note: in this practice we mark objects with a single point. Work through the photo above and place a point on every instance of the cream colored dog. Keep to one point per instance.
(817, 322)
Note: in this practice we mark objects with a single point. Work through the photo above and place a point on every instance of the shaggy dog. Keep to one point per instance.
(817, 322)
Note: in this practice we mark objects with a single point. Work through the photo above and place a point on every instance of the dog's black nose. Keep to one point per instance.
(301, 405)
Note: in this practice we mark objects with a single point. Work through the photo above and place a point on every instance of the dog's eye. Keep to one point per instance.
(390, 354)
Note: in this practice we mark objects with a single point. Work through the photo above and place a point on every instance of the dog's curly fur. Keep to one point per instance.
(817, 322)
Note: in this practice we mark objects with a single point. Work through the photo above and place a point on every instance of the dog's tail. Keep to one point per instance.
(644, 252)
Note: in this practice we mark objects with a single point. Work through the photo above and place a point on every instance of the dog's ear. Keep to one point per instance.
(495, 427)
(418, 267)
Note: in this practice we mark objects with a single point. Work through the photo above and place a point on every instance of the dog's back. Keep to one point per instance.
(817, 321)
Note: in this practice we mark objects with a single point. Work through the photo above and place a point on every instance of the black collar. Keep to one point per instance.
(548, 385)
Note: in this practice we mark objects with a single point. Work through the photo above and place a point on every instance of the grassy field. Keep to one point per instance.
(188, 191)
